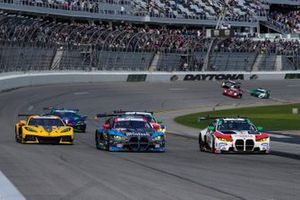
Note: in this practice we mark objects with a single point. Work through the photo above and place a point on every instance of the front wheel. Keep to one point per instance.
(97, 140)
(201, 143)
(107, 141)
(18, 135)
(213, 148)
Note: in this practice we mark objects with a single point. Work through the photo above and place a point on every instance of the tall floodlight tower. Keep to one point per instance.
(219, 32)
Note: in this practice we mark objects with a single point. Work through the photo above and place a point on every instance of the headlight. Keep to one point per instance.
(224, 140)
(158, 138)
(118, 138)
(30, 129)
(262, 140)
(65, 130)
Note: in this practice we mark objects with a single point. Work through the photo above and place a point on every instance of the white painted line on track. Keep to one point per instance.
(279, 136)
(177, 89)
(7, 190)
(293, 85)
(80, 93)
(30, 108)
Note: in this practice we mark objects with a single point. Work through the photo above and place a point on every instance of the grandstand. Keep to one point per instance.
(142, 35)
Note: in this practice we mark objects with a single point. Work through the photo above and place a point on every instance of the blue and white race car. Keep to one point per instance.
(71, 117)
(149, 116)
(128, 133)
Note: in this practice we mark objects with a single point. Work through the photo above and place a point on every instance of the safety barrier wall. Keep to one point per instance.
(19, 79)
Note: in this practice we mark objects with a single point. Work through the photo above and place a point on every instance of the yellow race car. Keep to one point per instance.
(43, 129)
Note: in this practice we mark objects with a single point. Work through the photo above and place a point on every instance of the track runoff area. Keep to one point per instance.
(80, 171)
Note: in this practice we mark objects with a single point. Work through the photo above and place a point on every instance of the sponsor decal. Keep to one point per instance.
(174, 78)
(137, 134)
(136, 77)
(217, 77)
(265, 145)
(253, 77)
(292, 76)
(222, 145)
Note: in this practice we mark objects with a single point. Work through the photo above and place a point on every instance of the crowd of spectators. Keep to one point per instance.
(288, 22)
(104, 35)
(262, 46)
(76, 5)
(129, 37)
(235, 10)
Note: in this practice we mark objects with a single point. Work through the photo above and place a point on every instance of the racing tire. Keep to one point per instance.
(260, 97)
(97, 140)
(201, 143)
(213, 148)
(18, 135)
(107, 143)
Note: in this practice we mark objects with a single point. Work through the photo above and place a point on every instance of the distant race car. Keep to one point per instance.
(228, 84)
(128, 133)
(71, 117)
(149, 116)
(226, 134)
(233, 92)
(260, 93)
(43, 129)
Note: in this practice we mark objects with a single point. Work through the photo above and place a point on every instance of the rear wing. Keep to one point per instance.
(105, 115)
(131, 112)
(207, 117)
(26, 115)
(62, 109)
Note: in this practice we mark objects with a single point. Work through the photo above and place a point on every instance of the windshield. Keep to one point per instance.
(149, 118)
(67, 115)
(132, 124)
(45, 122)
(236, 125)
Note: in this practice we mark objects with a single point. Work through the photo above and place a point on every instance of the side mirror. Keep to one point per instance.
(22, 123)
(259, 128)
(106, 126)
(84, 117)
(159, 121)
(211, 128)
(156, 126)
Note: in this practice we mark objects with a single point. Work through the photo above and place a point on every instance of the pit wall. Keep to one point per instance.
(19, 79)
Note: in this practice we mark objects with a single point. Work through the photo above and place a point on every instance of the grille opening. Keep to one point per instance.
(134, 143)
(30, 138)
(256, 149)
(249, 145)
(66, 139)
(239, 145)
(143, 143)
(49, 140)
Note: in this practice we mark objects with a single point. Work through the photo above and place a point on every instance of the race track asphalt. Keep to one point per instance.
(80, 171)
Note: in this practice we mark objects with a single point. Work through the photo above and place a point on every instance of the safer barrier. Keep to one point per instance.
(16, 80)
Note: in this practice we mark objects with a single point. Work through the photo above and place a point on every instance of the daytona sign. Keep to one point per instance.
(217, 77)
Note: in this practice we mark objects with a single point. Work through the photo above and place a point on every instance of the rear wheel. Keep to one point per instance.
(107, 141)
(18, 135)
(201, 143)
(213, 148)
(97, 140)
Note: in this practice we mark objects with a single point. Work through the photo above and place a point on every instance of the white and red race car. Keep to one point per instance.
(234, 92)
(225, 134)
